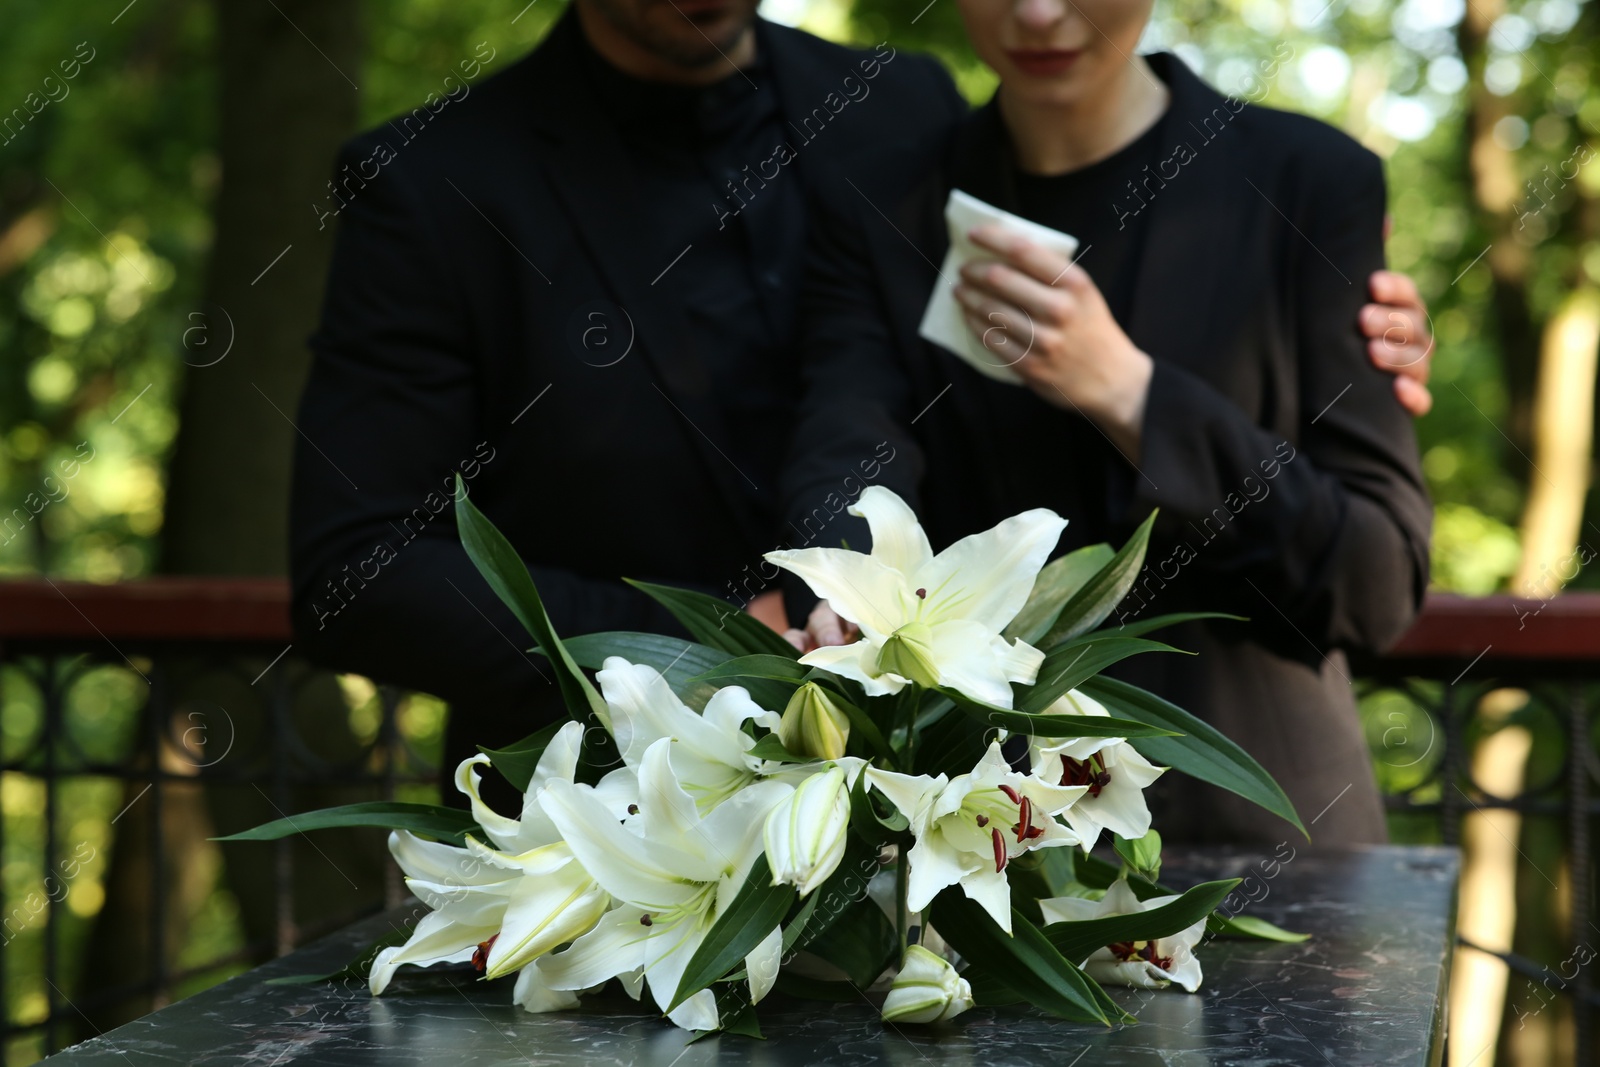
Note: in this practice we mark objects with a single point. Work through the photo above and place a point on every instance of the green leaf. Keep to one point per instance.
(761, 665)
(1201, 751)
(1101, 594)
(508, 576)
(795, 985)
(1031, 965)
(861, 942)
(1076, 940)
(754, 913)
(868, 821)
(769, 747)
(1055, 585)
(989, 990)
(679, 661)
(1072, 664)
(425, 820)
(718, 623)
(1250, 926)
(518, 760)
(736, 1012)
(1161, 622)
(770, 680)
(1023, 722)
(797, 923)
(952, 745)
(844, 888)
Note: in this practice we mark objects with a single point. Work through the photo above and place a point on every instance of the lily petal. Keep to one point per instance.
(542, 914)
(857, 661)
(533, 993)
(614, 946)
(965, 652)
(987, 577)
(762, 964)
(898, 540)
(861, 588)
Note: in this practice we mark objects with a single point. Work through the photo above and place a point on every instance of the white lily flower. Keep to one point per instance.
(807, 832)
(499, 911)
(672, 871)
(1145, 964)
(1113, 772)
(500, 907)
(927, 990)
(935, 620)
(969, 828)
(712, 758)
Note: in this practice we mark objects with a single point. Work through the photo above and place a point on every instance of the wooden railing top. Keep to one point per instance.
(222, 610)
(1562, 629)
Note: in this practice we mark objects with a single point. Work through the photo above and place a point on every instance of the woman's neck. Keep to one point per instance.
(1059, 138)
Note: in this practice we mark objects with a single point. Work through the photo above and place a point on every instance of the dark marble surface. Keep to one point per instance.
(1368, 988)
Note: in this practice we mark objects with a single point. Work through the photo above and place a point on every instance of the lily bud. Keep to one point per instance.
(806, 834)
(812, 724)
(909, 653)
(927, 990)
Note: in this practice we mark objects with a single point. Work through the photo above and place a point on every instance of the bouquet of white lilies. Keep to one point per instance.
(910, 815)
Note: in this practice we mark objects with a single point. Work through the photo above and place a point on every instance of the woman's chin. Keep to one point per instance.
(1040, 91)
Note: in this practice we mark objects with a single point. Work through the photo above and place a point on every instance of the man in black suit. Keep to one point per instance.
(576, 285)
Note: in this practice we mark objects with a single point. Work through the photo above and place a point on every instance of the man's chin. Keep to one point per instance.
(698, 43)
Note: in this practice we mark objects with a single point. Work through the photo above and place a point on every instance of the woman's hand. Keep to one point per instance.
(1041, 313)
(768, 608)
(823, 627)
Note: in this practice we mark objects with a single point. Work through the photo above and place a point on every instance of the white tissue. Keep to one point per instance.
(942, 321)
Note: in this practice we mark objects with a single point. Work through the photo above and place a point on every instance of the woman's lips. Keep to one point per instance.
(1044, 62)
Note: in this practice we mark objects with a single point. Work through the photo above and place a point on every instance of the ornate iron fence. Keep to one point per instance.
(169, 711)
(153, 715)
(1469, 668)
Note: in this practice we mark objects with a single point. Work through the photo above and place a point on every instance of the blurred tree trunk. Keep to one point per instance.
(1497, 190)
(287, 71)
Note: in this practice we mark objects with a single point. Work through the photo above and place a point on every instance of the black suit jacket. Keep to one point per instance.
(1285, 470)
(487, 312)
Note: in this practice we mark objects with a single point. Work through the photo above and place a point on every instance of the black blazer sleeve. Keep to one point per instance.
(1338, 545)
(382, 585)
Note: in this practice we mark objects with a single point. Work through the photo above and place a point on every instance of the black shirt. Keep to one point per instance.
(1100, 205)
(730, 240)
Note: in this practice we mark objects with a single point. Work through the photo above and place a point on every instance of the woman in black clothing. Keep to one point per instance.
(1201, 356)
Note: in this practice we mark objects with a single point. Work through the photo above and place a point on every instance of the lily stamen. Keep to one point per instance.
(1089, 772)
(999, 849)
(1025, 830)
(480, 957)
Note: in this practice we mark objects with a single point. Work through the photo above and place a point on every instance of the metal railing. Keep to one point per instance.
(138, 720)
(1470, 667)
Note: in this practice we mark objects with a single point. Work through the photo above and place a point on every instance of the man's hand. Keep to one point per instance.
(1398, 337)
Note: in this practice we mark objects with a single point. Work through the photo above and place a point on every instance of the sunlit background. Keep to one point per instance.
(1484, 111)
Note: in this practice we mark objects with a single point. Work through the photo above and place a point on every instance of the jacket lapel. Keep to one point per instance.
(594, 176)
